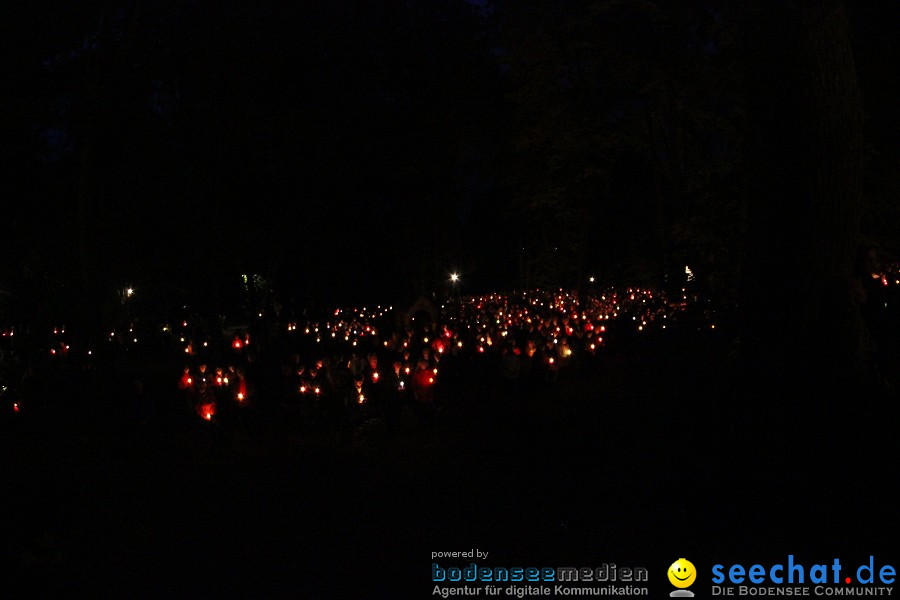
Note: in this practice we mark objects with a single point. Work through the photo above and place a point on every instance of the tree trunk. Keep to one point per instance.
(802, 329)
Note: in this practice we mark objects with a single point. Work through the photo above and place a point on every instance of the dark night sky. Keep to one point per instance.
(333, 148)
(358, 150)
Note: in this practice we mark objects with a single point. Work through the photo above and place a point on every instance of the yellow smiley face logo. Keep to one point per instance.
(682, 573)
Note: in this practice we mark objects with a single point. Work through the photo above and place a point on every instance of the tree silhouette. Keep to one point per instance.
(804, 210)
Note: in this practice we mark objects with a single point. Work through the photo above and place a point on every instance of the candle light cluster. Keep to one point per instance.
(358, 358)
(363, 360)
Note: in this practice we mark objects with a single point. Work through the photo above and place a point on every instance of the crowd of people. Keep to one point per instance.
(359, 364)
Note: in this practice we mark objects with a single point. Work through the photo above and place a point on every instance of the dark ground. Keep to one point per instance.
(650, 457)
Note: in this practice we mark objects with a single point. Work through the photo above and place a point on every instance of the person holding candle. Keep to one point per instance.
(423, 392)
(374, 386)
(395, 384)
(205, 401)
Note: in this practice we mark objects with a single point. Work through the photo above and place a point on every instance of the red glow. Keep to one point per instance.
(185, 382)
(207, 410)
(237, 344)
(16, 407)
